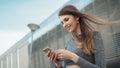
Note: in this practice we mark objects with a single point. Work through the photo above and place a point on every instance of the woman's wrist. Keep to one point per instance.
(74, 58)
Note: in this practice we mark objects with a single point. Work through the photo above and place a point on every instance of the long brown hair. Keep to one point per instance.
(86, 34)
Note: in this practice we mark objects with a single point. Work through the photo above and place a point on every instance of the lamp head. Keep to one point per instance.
(33, 27)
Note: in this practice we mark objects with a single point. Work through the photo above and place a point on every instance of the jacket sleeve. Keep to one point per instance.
(99, 55)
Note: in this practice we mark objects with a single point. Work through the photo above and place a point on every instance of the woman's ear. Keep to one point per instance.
(77, 18)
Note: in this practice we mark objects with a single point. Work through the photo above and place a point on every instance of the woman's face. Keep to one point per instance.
(69, 22)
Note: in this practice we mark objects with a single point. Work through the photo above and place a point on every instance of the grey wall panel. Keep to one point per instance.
(41, 59)
(23, 56)
(54, 43)
(0, 63)
(36, 61)
(67, 35)
(100, 9)
(109, 46)
(46, 61)
(114, 9)
(33, 60)
(60, 38)
(15, 59)
(9, 61)
(116, 38)
(89, 9)
(4, 62)
(61, 42)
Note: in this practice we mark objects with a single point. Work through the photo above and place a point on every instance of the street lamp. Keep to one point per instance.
(33, 28)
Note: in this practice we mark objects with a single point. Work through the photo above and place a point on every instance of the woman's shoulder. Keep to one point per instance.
(97, 39)
(96, 34)
(69, 43)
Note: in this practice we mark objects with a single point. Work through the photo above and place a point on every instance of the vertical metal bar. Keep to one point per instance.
(18, 59)
(30, 51)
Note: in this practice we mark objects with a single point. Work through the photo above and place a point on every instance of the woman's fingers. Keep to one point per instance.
(60, 54)
(48, 54)
(52, 55)
(55, 57)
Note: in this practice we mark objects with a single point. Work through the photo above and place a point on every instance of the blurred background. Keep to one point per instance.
(26, 50)
(16, 14)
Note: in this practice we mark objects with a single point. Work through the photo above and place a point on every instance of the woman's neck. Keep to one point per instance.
(77, 30)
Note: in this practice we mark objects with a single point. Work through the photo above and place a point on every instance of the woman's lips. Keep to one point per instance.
(68, 27)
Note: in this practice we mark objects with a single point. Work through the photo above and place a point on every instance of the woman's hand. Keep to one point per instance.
(52, 55)
(61, 54)
(66, 55)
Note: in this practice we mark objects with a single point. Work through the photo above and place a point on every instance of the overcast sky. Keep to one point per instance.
(16, 14)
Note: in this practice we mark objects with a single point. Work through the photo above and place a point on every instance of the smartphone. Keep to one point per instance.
(46, 49)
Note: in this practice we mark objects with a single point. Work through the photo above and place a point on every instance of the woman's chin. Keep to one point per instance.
(70, 31)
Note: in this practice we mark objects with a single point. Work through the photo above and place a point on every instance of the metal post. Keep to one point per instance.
(33, 28)
(30, 51)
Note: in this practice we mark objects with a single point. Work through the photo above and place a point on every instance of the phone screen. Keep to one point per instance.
(46, 49)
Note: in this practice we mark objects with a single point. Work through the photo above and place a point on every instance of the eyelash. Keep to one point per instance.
(66, 19)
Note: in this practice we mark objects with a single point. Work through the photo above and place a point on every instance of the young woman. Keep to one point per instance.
(85, 49)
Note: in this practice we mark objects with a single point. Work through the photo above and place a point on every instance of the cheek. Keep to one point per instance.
(74, 25)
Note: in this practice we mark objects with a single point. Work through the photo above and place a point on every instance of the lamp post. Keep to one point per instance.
(33, 28)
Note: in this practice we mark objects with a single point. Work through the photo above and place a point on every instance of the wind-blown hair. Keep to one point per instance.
(87, 45)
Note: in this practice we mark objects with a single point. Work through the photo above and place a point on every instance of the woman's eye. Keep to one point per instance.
(66, 19)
